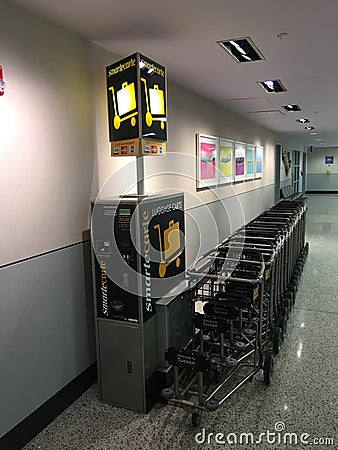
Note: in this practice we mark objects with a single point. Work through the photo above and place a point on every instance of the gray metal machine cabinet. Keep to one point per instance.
(138, 257)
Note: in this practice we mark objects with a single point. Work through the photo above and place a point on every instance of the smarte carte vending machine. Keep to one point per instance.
(138, 256)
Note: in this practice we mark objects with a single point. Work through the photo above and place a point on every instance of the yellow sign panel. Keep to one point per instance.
(129, 147)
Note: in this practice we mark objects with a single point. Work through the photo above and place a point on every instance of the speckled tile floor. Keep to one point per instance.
(302, 396)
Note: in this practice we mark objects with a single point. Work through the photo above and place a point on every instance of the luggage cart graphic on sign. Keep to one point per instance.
(155, 104)
(124, 104)
(170, 248)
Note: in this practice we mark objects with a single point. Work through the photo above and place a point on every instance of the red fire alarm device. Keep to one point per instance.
(2, 83)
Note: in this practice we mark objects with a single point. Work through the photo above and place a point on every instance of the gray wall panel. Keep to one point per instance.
(46, 329)
(322, 182)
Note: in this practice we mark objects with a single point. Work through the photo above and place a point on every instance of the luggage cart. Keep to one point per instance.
(268, 245)
(228, 341)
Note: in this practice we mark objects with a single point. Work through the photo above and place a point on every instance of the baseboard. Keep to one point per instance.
(26, 430)
(321, 192)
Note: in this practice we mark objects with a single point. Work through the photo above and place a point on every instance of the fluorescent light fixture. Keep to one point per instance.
(313, 133)
(319, 139)
(302, 120)
(242, 49)
(292, 107)
(274, 86)
(309, 128)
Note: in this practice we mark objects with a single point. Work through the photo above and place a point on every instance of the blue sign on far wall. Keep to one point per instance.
(329, 159)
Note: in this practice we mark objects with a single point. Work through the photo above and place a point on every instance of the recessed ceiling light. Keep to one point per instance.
(242, 49)
(292, 107)
(309, 128)
(302, 120)
(313, 133)
(274, 86)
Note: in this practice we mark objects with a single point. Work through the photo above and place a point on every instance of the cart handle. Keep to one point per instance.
(194, 273)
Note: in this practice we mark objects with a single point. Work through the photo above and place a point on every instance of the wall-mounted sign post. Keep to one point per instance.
(137, 106)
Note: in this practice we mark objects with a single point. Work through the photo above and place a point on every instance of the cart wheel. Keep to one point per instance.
(283, 323)
(196, 419)
(240, 346)
(268, 368)
(231, 362)
(294, 292)
(276, 340)
(285, 312)
(178, 262)
(212, 405)
(167, 393)
(290, 300)
(249, 332)
(206, 338)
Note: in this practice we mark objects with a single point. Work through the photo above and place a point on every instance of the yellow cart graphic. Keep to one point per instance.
(172, 246)
(154, 103)
(124, 104)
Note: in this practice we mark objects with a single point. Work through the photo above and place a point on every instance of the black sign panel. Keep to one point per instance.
(122, 91)
(219, 309)
(153, 99)
(186, 358)
(211, 323)
(162, 248)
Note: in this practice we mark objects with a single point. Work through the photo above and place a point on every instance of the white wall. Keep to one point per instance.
(46, 139)
(46, 162)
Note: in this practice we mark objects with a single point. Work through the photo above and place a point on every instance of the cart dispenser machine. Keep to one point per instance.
(138, 249)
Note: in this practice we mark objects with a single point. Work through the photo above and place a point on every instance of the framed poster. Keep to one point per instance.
(250, 161)
(329, 159)
(226, 161)
(207, 155)
(240, 161)
(259, 161)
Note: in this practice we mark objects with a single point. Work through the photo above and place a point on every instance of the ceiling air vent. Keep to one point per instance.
(242, 49)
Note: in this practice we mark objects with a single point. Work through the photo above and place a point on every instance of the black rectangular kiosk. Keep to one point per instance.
(138, 249)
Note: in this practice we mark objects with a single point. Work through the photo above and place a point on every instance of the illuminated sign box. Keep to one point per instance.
(137, 106)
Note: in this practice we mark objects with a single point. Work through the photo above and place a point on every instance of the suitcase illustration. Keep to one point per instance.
(124, 104)
(155, 104)
(156, 100)
(126, 99)
(170, 248)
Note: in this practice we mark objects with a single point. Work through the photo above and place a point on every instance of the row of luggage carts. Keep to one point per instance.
(242, 293)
